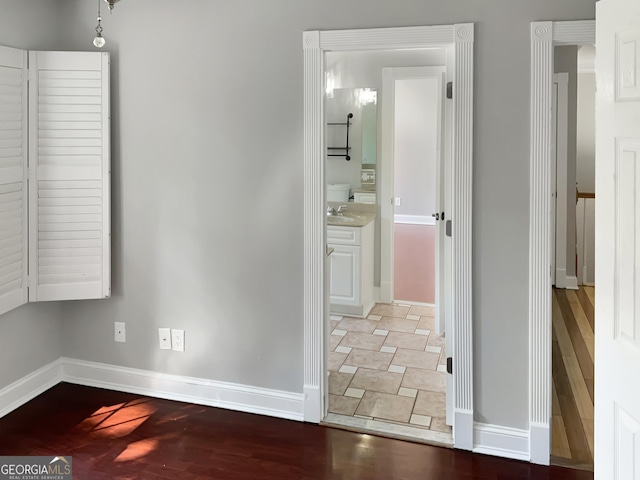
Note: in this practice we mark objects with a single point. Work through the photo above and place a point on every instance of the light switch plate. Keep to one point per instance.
(165, 338)
(398, 201)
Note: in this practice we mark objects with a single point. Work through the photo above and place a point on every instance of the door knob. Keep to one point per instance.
(436, 216)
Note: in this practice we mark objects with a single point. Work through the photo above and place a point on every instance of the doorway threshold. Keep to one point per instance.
(388, 430)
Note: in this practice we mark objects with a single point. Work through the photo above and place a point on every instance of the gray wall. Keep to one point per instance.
(207, 171)
(30, 336)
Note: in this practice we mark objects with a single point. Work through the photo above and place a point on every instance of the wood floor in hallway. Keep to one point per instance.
(112, 435)
(572, 360)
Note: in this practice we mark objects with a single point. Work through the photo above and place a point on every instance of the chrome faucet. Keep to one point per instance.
(332, 211)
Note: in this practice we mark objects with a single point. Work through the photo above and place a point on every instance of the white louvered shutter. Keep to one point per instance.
(69, 162)
(13, 178)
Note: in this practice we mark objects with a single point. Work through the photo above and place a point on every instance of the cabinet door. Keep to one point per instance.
(345, 275)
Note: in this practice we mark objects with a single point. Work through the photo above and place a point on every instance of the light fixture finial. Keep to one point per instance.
(98, 40)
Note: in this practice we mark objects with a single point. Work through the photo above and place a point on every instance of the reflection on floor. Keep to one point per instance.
(573, 353)
(387, 373)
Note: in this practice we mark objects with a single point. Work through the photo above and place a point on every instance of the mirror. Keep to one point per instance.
(354, 137)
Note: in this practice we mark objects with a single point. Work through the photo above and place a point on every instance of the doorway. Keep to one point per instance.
(544, 37)
(572, 300)
(386, 364)
(459, 41)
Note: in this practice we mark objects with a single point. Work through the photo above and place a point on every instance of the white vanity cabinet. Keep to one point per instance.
(351, 269)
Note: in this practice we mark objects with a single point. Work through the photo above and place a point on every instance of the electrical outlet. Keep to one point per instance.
(177, 340)
(165, 338)
(398, 201)
(119, 332)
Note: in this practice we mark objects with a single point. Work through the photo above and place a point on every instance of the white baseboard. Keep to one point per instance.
(501, 441)
(540, 441)
(414, 219)
(561, 278)
(200, 391)
(417, 304)
(29, 387)
(571, 283)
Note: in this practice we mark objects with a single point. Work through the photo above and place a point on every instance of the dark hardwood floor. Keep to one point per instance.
(113, 435)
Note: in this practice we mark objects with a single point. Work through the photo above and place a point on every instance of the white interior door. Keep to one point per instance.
(617, 382)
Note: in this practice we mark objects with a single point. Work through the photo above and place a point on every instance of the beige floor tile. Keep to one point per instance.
(334, 341)
(338, 382)
(422, 420)
(443, 357)
(364, 341)
(357, 325)
(343, 405)
(335, 361)
(408, 392)
(398, 324)
(439, 424)
(422, 311)
(431, 404)
(436, 340)
(385, 406)
(376, 380)
(424, 380)
(427, 323)
(390, 310)
(369, 359)
(442, 368)
(417, 359)
(333, 324)
(410, 341)
(354, 392)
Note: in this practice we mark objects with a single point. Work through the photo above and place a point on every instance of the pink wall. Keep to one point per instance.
(414, 262)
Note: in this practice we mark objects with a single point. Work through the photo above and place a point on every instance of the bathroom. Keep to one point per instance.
(387, 360)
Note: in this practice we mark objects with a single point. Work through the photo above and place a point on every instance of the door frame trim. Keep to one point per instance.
(315, 44)
(544, 37)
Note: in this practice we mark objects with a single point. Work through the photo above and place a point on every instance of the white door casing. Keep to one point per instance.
(544, 36)
(617, 306)
(316, 43)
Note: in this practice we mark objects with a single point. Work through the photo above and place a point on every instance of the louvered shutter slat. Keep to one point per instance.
(13, 184)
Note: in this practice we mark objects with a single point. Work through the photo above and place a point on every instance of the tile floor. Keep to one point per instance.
(389, 367)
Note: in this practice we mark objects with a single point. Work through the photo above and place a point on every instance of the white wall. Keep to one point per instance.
(30, 336)
(586, 133)
(415, 145)
(207, 173)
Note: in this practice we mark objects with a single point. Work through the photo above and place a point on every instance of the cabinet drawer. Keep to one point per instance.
(343, 235)
(364, 197)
